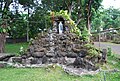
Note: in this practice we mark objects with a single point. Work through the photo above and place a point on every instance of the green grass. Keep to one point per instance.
(14, 48)
(54, 74)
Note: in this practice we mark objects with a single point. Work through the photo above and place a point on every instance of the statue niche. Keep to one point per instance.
(60, 25)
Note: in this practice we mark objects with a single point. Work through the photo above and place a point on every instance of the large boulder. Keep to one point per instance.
(83, 63)
(82, 53)
(50, 54)
(39, 49)
(62, 54)
(31, 49)
(16, 59)
(44, 59)
(71, 55)
(38, 54)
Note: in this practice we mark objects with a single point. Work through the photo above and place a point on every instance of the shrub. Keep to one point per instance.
(109, 53)
(85, 34)
(91, 50)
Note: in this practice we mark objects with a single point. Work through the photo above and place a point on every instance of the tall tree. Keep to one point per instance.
(79, 10)
(112, 18)
(4, 7)
(106, 18)
(27, 5)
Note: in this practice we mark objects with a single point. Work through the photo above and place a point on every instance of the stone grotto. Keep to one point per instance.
(52, 47)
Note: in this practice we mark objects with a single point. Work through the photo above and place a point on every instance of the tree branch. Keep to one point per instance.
(6, 7)
(78, 21)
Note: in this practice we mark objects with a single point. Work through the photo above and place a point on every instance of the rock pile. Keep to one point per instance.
(50, 48)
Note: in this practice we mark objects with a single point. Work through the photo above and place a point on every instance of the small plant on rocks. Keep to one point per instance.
(21, 51)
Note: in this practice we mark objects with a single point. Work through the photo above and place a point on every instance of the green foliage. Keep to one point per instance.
(26, 2)
(39, 20)
(21, 50)
(97, 22)
(91, 50)
(41, 14)
(85, 34)
(72, 25)
(112, 21)
(109, 53)
(79, 9)
(105, 18)
(18, 26)
(15, 48)
(63, 13)
(76, 30)
(89, 46)
(4, 28)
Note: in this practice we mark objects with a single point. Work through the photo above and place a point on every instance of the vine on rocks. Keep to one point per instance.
(85, 34)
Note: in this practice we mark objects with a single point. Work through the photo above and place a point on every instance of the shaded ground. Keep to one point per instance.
(115, 47)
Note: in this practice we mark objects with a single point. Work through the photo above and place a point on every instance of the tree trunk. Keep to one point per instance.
(4, 24)
(79, 17)
(70, 10)
(28, 26)
(70, 5)
(2, 42)
(3, 36)
(89, 15)
(78, 21)
(88, 24)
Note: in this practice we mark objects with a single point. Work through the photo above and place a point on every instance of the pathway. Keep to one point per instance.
(115, 47)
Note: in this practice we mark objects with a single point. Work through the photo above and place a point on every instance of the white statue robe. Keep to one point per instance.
(60, 28)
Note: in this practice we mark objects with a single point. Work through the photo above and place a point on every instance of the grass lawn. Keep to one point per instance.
(54, 74)
(14, 48)
(39, 74)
